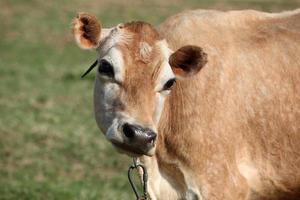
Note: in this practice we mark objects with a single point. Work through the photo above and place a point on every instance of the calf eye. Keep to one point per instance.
(105, 68)
(169, 84)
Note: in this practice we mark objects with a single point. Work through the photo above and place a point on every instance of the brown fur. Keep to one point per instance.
(242, 108)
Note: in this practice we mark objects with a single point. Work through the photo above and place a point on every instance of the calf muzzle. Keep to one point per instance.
(139, 138)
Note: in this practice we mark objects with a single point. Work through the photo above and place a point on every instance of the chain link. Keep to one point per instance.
(144, 179)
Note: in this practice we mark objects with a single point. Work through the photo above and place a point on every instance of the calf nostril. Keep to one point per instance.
(151, 136)
(128, 130)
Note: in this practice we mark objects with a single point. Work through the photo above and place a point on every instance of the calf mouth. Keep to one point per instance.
(134, 151)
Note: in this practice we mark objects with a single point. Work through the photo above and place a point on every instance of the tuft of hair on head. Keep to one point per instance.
(86, 30)
(144, 38)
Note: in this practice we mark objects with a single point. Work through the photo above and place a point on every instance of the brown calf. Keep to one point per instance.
(229, 128)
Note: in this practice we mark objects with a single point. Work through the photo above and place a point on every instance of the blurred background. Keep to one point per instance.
(50, 146)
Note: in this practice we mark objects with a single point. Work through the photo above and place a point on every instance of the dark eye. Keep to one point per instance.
(169, 84)
(105, 68)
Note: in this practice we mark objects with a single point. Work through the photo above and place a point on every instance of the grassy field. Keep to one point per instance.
(50, 147)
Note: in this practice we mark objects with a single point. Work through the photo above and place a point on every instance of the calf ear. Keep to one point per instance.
(86, 30)
(187, 61)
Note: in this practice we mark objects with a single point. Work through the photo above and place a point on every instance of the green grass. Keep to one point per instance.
(50, 146)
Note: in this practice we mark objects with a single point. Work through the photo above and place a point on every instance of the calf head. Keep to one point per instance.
(136, 71)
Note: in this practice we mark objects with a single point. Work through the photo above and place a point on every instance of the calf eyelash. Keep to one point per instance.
(90, 69)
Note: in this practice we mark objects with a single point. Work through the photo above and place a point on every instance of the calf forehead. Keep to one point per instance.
(141, 52)
(142, 32)
(135, 43)
(143, 38)
(137, 37)
(139, 80)
(141, 56)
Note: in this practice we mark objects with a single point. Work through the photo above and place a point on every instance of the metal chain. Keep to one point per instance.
(136, 166)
